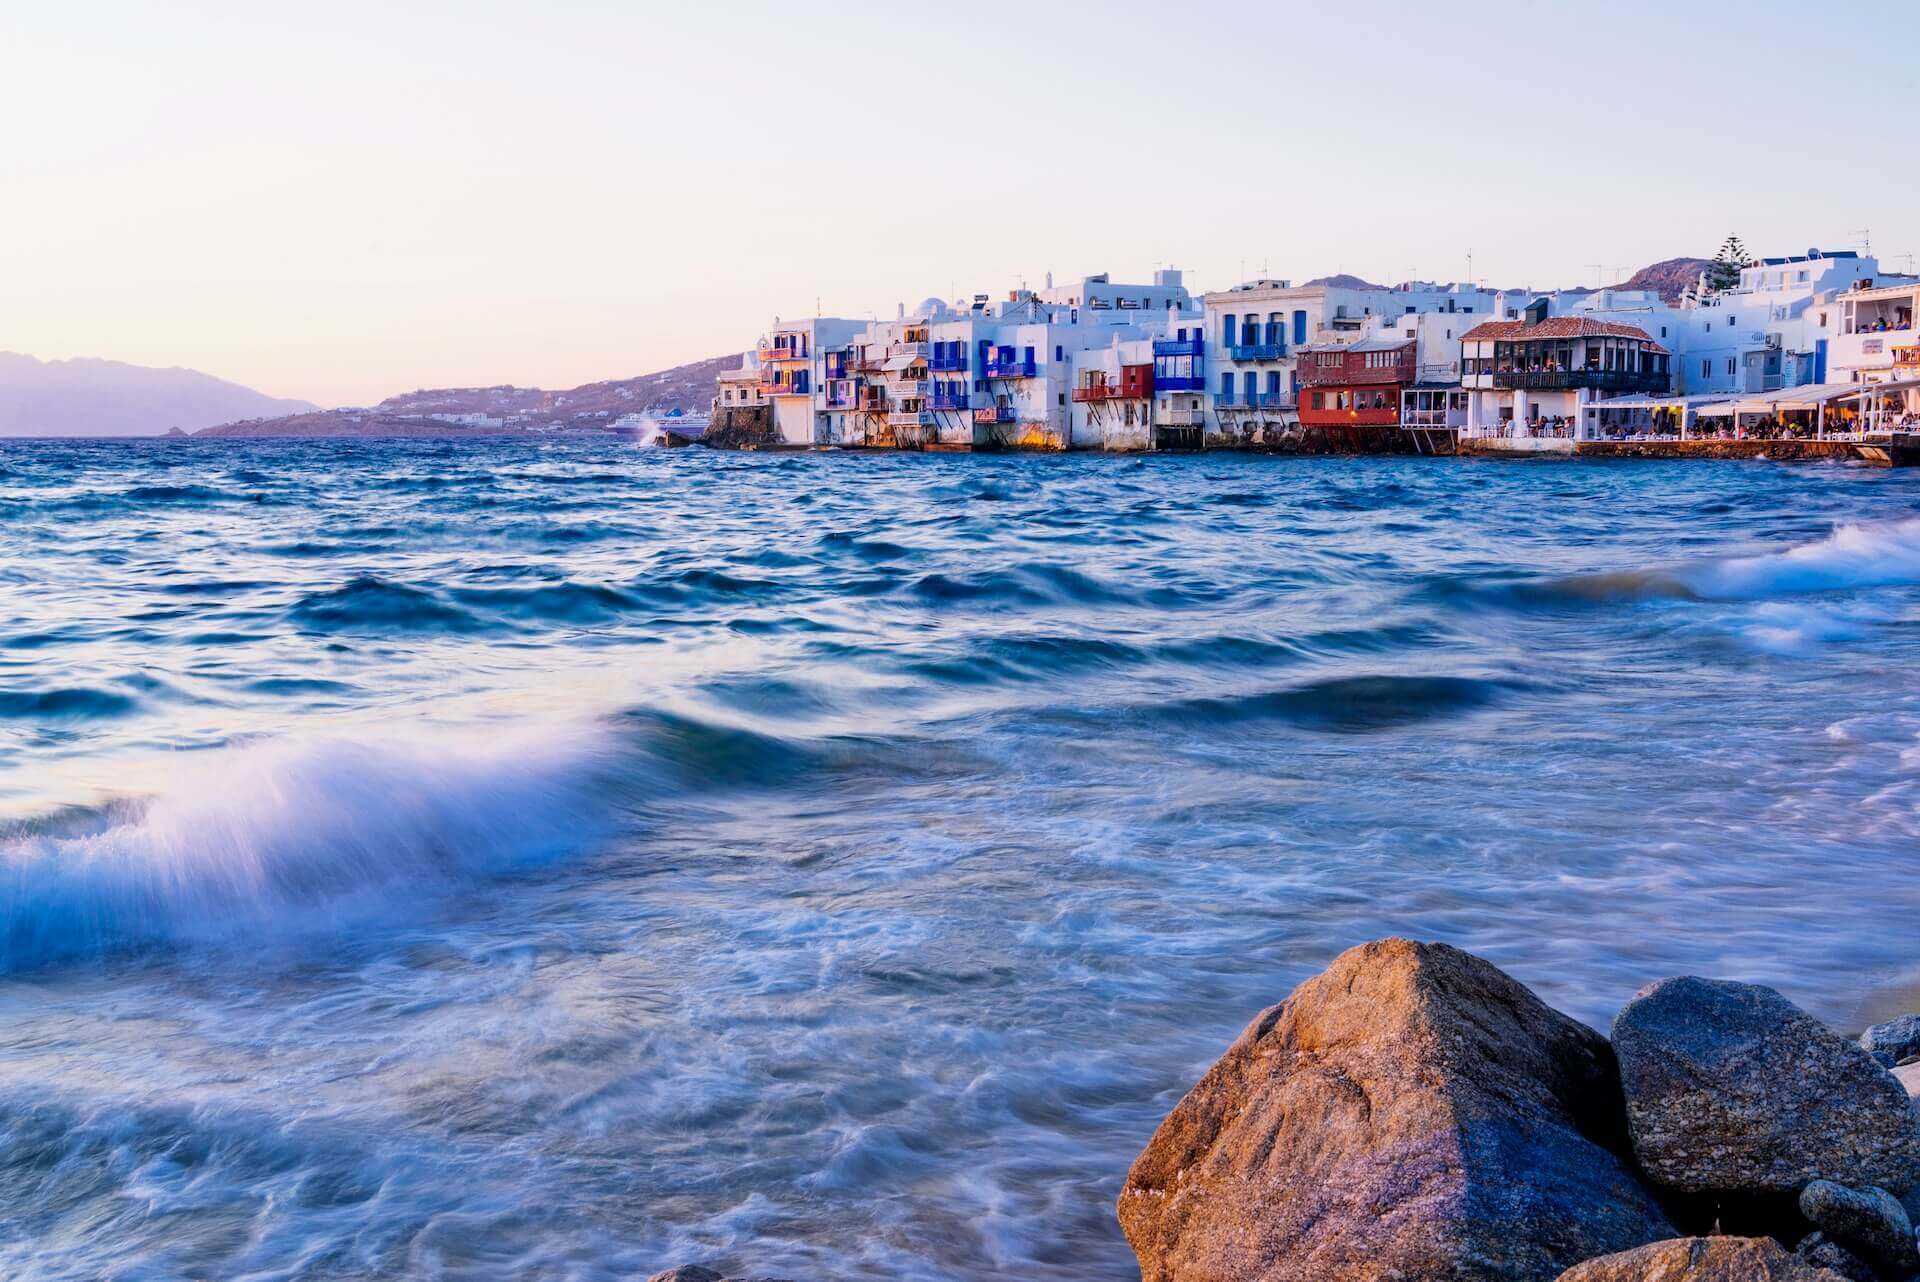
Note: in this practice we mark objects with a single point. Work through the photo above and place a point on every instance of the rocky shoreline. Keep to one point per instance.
(1414, 1114)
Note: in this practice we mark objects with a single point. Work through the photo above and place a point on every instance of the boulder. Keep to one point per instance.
(1412, 1113)
(688, 1273)
(1908, 1075)
(1822, 1252)
(1893, 1041)
(1869, 1222)
(1732, 1088)
(1703, 1259)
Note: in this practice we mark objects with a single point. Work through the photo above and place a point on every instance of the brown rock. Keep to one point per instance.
(1703, 1259)
(1410, 1113)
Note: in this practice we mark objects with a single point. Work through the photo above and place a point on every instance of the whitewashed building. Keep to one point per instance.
(1531, 379)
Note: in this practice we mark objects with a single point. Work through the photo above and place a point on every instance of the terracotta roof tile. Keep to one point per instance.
(1554, 327)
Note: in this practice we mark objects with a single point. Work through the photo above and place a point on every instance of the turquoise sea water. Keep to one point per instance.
(477, 860)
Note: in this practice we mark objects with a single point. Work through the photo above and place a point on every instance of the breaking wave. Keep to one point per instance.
(1853, 557)
(296, 836)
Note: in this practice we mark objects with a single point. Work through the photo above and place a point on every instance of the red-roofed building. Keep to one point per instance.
(1531, 377)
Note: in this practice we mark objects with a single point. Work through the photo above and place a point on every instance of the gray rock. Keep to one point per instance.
(1822, 1252)
(1893, 1041)
(1702, 1259)
(1867, 1221)
(1410, 1113)
(688, 1273)
(1732, 1088)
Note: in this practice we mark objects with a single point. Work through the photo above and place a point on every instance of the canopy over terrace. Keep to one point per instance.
(1809, 405)
(1653, 415)
(1892, 406)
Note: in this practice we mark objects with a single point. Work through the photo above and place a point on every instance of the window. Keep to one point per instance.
(1663, 331)
(1730, 367)
(1706, 369)
(1059, 352)
(1063, 398)
(1226, 330)
(1730, 321)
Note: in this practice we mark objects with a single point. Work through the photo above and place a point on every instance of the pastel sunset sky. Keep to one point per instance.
(348, 200)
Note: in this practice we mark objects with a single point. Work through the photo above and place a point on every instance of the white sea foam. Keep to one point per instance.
(1853, 556)
(298, 835)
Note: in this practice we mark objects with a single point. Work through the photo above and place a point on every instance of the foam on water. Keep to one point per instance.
(297, 837)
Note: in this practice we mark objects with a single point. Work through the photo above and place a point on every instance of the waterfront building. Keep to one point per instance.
(1771, 331)
(1180, 386)
(1257, 328)
(970, 374)
(1876, 347)
(788, 374)
(1530, 379)
(1356, 384)
(1113, 396)
(741, 386)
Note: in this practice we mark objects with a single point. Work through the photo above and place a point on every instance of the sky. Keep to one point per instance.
(347, 200)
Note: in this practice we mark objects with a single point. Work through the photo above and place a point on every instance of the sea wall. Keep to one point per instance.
(1781, 450)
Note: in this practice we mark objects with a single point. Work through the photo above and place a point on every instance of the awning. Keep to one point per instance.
(897, 363)
(1810, 397)
(1652, 402)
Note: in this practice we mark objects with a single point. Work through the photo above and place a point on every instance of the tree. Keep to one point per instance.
(1723, 272)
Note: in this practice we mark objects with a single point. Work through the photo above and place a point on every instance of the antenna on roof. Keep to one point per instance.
(1865, 236)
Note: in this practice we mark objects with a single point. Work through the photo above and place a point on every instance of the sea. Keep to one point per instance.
(563, 860)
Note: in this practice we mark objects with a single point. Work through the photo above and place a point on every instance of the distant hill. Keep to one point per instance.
(1670, 277)
(1344, 280)
(90, 397)
(501, 410)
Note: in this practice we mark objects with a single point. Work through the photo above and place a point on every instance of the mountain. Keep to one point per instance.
(1344, 280)
(1670, 277)
(90, 397)
(501, 410)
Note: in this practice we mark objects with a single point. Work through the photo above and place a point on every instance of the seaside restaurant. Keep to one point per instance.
(1814, 412)
(1657, 417)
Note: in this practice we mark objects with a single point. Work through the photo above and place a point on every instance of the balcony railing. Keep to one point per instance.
(1256, 351)
(1180, 382)
(841, 400)
(949, 401)
(1178, 346)
(772, 353)
(1010, 368)
(1560, 380)
(1254, 401)
(907, 349)
(904, 388)
(910, 418)
(948, 363)
(993, 414)
(1181, 418)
